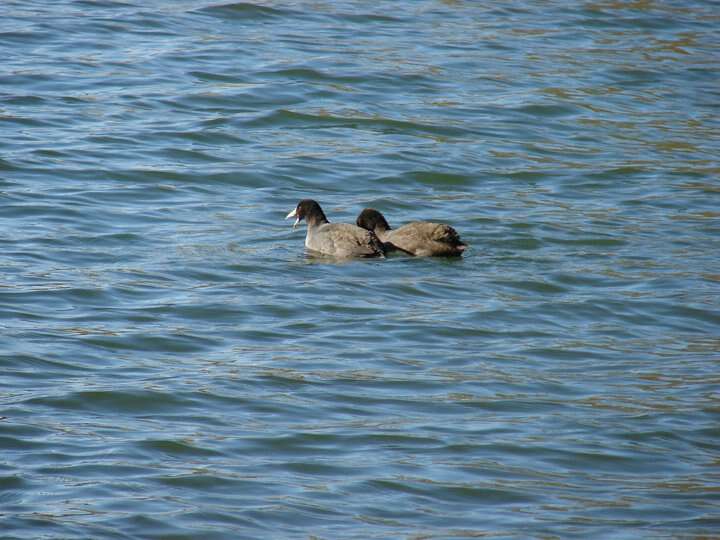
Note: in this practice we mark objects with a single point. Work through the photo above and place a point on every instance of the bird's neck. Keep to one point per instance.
(316, 219)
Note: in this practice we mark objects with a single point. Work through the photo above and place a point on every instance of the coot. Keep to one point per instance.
(342, 240)
(420, 238)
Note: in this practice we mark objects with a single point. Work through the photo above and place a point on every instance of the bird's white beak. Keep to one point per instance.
(293, 214)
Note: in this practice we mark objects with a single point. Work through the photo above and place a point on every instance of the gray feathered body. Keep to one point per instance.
(343, 240)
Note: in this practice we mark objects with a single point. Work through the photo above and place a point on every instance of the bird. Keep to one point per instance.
(342, 240)
(419, 238)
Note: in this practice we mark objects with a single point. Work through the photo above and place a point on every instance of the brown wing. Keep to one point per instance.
(426, 239)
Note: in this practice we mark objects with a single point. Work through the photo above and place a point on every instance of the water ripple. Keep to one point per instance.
(172, 363)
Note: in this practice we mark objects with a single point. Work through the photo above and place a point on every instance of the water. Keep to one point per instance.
(172, 364)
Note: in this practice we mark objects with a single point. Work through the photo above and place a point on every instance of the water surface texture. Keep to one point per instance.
(173, 365)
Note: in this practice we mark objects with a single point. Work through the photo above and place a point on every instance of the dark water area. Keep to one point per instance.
(173, 364)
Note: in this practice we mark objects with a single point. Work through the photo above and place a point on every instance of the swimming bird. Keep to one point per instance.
(420, 238)
(342, 240)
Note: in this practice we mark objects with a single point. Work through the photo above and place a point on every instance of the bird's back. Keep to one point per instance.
(425, 238)
(343, 240)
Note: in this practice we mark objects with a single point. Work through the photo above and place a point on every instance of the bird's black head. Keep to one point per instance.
(308, 210)
(372, 220)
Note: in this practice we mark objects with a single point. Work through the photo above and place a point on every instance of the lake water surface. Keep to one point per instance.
(173, 365)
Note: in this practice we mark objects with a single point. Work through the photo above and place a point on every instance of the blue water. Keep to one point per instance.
(173, 365)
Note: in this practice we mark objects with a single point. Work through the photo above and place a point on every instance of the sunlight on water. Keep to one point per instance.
(173, 364)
